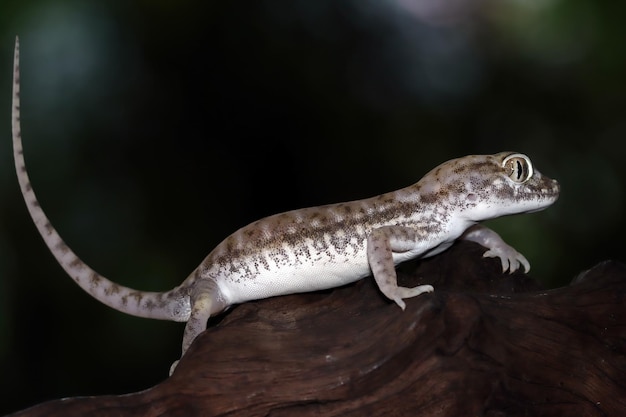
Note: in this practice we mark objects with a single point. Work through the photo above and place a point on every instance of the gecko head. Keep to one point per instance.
(482, 187)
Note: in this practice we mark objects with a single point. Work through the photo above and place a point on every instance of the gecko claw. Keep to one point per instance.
(510, 259)
(400, 303)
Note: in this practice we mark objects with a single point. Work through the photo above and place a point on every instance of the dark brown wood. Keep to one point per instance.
(482, 344)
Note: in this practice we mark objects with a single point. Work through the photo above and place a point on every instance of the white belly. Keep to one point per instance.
(253, 280)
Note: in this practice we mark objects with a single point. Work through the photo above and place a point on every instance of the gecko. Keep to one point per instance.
(322, 247)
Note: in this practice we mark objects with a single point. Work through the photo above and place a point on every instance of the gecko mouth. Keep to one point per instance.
(550, 188)
(548, 195)
(541, 195)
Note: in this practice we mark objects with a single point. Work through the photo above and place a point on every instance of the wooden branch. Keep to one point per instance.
(482, 344)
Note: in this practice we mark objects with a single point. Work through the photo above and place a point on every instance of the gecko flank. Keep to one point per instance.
(323, 247)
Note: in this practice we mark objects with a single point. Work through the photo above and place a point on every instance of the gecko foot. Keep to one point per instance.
(510, 258)
(404, 292)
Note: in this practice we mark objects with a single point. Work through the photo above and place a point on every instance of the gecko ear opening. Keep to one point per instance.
(518, 167)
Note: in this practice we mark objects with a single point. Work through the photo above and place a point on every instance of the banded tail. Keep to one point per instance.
(171, 305)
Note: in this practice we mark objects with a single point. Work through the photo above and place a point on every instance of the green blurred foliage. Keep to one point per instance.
(154, 129)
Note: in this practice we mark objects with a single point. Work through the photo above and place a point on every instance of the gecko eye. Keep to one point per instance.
(518, 167)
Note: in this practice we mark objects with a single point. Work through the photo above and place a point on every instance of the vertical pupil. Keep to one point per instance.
(519, 169)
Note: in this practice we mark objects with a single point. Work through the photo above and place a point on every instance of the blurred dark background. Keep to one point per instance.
(153, 129)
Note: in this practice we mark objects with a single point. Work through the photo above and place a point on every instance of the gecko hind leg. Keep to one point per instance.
(202, 308)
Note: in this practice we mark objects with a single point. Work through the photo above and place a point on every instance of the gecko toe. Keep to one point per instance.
(400, 303)
(173, 367)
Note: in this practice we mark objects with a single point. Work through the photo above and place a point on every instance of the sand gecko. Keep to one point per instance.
(323, 247)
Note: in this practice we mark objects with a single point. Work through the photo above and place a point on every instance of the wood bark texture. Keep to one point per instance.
(483, 344)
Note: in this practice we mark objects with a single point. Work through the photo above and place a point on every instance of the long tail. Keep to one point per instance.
(171, 305)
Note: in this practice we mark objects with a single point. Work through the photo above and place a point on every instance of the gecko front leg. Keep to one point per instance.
(381, 244)
(498, 248)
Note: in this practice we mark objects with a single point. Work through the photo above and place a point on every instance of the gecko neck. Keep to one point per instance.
(432, 213)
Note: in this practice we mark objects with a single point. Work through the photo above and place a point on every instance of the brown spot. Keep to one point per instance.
(230, 243)
(60, 247)
(49, 228)
(76, 263)
(94, 279)
(113, 288)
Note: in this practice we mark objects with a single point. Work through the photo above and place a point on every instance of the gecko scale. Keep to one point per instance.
(323, 247)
